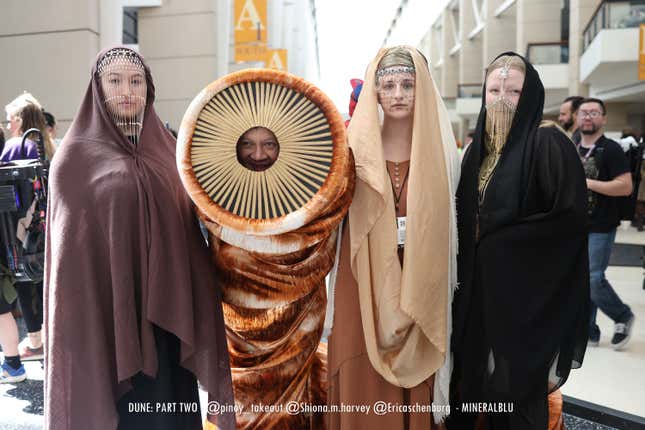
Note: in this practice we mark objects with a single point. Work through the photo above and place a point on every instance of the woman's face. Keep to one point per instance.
(395, 92)
(258, 149)
(13, 124)
(125, 90)
(504, 83)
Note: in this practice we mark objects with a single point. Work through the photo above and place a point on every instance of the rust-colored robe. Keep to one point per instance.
(272, 270)
(352, 378)
(274, 310)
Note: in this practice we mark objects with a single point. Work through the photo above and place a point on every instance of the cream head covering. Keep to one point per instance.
(396, 60)
(406, 312)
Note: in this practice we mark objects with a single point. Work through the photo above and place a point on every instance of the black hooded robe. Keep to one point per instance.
(523, 291)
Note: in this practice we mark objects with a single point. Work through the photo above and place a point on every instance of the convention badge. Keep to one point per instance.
(400, 230)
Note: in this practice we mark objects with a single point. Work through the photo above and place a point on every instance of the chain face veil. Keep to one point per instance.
(123, 83)
(499, 119)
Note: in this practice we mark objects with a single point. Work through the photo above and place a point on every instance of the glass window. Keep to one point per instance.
(469, 91)
(547, 54)
(626, 14)
(130, 26)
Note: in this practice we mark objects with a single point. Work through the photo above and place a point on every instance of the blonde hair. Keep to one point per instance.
(510, 61)
(16, 105)
(547, 123)
(396, 56)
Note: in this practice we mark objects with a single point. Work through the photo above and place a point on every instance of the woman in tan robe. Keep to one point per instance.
(391, 309)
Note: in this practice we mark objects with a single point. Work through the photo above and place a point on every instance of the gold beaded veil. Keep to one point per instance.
(499, 119)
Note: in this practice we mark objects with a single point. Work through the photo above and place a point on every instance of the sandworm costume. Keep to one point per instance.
(272, 232)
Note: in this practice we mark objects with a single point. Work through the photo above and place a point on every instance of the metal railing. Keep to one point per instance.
(469, 91)
(548, 52)
(614, 14)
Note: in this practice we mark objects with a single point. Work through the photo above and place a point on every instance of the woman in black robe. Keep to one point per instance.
(521, 310)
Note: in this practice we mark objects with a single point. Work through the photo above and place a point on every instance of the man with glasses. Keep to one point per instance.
(608, 178)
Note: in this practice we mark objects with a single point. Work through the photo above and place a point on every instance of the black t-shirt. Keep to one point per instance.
(605, 162)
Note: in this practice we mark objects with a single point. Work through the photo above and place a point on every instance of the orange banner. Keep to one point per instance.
(276, 59)
(250, 52)
(641, 54)
(250, 21)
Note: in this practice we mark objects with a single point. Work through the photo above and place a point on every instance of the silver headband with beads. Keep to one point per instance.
(394, 69)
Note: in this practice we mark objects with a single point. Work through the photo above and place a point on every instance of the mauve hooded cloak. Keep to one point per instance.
(124, 254)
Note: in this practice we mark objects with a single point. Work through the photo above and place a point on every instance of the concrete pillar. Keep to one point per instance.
(48, 50)
(538, 21)
(224, 37)
(450, 75)
(470, 55)
(580, 14)
(500, 32)
(181, 44)
(436, 51)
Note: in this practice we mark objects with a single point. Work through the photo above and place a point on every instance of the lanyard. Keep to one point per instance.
(586, 156)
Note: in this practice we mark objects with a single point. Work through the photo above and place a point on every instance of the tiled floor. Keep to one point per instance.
(616, 379)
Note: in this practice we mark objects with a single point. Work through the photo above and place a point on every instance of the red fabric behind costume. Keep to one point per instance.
(357, 86)
(123, 252)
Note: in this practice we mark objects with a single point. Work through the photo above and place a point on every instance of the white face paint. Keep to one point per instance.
(124, 86)
(503, 91)
(504, 83)
(395, 90)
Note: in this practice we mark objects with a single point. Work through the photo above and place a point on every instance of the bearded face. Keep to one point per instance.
(565, 116)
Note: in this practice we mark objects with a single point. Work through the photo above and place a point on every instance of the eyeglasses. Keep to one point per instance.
(590, 114)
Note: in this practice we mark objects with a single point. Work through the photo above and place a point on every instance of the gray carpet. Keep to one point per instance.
(624, 254)
(575, 423)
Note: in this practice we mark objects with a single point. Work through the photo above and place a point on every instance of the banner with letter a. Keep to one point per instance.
(250, 29)
(276, 59)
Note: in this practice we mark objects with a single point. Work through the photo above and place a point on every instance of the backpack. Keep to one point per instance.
(627, 204)
(23, 199)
